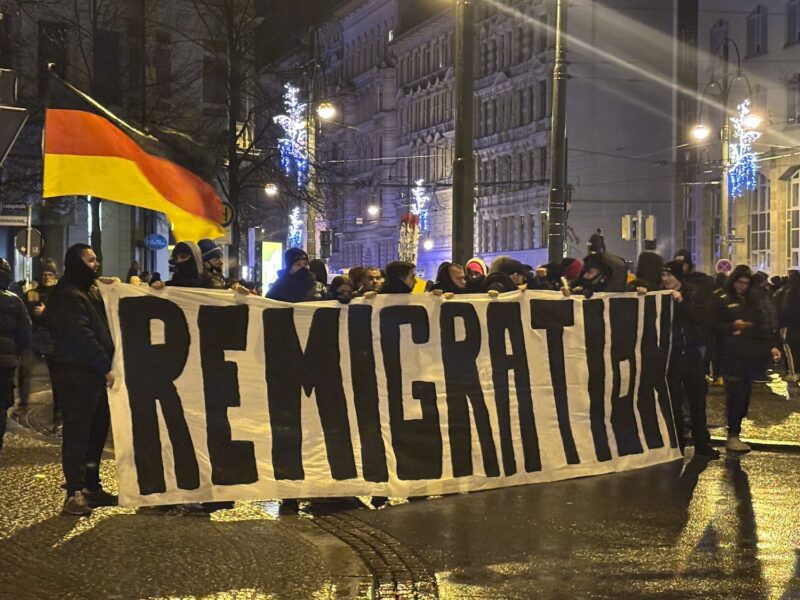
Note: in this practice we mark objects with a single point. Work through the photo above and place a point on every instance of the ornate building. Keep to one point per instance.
(764, 38)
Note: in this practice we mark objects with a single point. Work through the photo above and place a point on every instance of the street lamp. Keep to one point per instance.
(271, 190)
(326, 111)
(373, 210)
(744, 124)
(428, 244)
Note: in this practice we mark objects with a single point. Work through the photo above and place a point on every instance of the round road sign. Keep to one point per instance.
(228, 214)
(37, 242)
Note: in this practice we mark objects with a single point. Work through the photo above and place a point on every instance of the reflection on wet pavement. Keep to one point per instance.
(725, 529)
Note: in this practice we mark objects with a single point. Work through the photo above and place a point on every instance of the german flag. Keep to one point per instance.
(88, 151)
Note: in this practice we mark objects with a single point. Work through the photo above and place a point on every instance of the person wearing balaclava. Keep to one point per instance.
(212, 264)
(15, 337)
(81, 372)
(297, 283)
(186, 263)
(686, 374)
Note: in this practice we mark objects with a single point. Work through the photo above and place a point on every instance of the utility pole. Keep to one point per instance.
(557, 216)
(724, 209)
(463, 164)
(311, 148)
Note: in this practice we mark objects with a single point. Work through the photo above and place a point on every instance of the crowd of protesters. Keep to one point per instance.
(732, 325)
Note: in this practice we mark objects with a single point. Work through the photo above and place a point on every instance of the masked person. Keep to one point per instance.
(212, 265)
(81, 372)
(297, 283)
(686, 373)
(187, 266)
(15, 338)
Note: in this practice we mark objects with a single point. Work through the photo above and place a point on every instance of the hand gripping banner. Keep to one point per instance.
(225, 397)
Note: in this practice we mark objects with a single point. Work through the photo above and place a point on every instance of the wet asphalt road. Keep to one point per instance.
(727, 529)
(722, 529)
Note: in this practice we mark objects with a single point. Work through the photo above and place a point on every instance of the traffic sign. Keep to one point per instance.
(228, 215)
(154, 241)
(37, 242)
(13, 221)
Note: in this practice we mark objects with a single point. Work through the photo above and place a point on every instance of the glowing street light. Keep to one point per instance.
(752, 121)
(326, 111)
(373, 210)
(701, 132)
(271, 190)
(428, 244)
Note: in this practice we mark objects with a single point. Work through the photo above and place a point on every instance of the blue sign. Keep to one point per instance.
(155, 241)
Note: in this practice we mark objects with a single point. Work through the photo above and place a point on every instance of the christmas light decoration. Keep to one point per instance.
(294, 143)
(743, 170)
(295, 237)
(421, 203)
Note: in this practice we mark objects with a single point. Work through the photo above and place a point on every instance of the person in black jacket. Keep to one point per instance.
(744, 345)
(81, 372)
(450, 279)
(187, 266)
(212, 265)
(401, 276)
(686, 373)
(15, 337)
(297, 283)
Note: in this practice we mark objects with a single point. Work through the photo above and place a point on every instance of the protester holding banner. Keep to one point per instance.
(212, 265)
(15, 337)
(187, 266)
(401, 278)
(450, 279)
(744, 344)
(81, 372)
(686, 373)
(297, 283)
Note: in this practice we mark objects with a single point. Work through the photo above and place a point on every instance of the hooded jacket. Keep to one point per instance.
(190, 272)
(77, 318)
(444, 282)
(15, 326)
(750, 344)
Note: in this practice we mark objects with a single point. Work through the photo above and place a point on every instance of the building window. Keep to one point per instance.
(793, 21)
(757, 31)
(719, 33)
(759, 230)
(793, 99)
(542, 98)
(215, 88)
(793, 223)
(163, 64)
(390, 35)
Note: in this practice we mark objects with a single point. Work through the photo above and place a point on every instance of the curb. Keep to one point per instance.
(757, 444)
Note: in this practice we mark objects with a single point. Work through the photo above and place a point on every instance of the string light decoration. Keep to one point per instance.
(743, 171)
(294, 143)
(295, 237)
(421, 204)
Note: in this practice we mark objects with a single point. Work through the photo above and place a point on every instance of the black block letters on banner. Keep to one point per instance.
(594, 326)
(504, 319)
(288, 370)
(231, 462)
(463, 383)
(624, 328)
(553, 316)
(365, 393)
(417, 442)
(150, 372)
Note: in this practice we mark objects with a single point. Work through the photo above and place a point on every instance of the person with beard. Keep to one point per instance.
(296, 282)
(744, 345)
(450, 279)
(81, 372)
(212, 265)
(401, 277)
(15, 337)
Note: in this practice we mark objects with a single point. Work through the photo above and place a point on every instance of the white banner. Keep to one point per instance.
(225, 397)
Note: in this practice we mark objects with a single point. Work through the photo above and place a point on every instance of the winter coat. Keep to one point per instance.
(499, 282)
(42, 343)
(301, 286)
(79, 326)
(690, 320)
(15, 329)
(750, 347)
(215, 280)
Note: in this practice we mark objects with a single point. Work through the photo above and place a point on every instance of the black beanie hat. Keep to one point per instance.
(513, 267)
(684, 256)
(674, 268)
(292, 255)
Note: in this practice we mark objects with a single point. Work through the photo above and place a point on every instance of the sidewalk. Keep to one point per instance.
(246, 552)
(773, 421)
